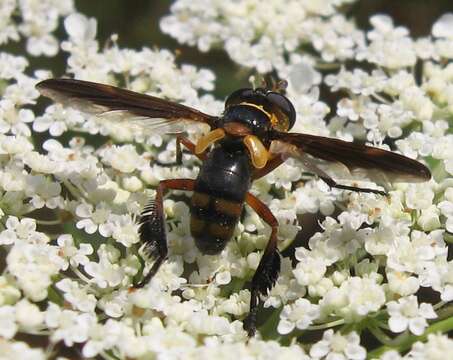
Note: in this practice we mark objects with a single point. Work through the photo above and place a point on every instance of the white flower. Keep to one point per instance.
(416, 254)
(57, 120)
(402, 283)
(68, 326)
(237, 304)
(446, 208)
(271, 31)
(338, 347)
(101, 337)
(298, 315)
(123, 158)
(132, 184)
(314, 196)
(106, 272)
(13, 179)
(357, 81)
(310, 269)
(443, 26)
(354, 299)
(389, 47)
(438, 274)
(379, 241)
(68, 250)
(201, 323)
(11, 66)
(9, 294)
(338, 239)
(8, 30)
(34, 265)
(92, 219)
(40, 19)
(429, 218)
(23, 230)
(40, 163)
(28, 316)
(43, 192)
(407, 314)
(15, 145)
(77, 295)
(20, 350)
(286, 288)
(8, 326)
(414, 99)
(437, 346)
(115, 304)
(124, 229)
(80, 28)
(14, 120)
(120, 335)
(419, 196)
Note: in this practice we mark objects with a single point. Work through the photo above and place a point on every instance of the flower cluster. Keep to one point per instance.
(69, 206)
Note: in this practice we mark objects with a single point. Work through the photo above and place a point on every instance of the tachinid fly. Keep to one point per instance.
(246, 142)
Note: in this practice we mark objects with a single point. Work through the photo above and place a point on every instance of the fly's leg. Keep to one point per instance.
(267, 272)
(333, 184)
(152, 225)
(271, 165)
(189, 145)
(313, 168)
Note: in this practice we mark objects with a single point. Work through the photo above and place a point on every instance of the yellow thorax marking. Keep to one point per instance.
(272, 118)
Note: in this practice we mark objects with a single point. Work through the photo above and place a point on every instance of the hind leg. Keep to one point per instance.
(267, 272)
(152, 225)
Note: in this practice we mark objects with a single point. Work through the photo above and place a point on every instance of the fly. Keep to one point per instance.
(249, 140)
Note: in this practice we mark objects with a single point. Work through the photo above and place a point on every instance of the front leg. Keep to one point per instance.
(190, 146)
(152, 225)
(267, 272)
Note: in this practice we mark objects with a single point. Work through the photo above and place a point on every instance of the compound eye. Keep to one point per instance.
(239, 96)
(284, 109)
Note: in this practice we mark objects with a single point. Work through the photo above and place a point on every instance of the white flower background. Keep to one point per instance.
(374, 281)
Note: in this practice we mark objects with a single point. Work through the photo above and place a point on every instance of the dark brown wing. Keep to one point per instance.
(101, 99)
(374, 163)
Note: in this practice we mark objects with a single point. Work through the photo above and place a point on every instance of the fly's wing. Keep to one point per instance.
(346, 160)
(146, 112)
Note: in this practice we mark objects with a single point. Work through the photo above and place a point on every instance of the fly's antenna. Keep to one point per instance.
(252, 81)
(281, 86)
(269, 83)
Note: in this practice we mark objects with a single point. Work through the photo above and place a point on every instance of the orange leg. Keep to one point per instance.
(189, 145)
(267, 272)
(152, 225)
(271, 165)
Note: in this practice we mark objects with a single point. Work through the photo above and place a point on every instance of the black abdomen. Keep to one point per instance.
(219, 194)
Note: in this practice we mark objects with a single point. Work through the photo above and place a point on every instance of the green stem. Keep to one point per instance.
(326, 325)
(380, 335)
(404, 342)
(445, 312)
(76, 192)
(80, 275)
(380, 98)
(48, 222)
(327, 66)
(106, 355)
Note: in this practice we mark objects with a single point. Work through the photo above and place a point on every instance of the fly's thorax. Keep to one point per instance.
(276, 106)
(253, 118)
